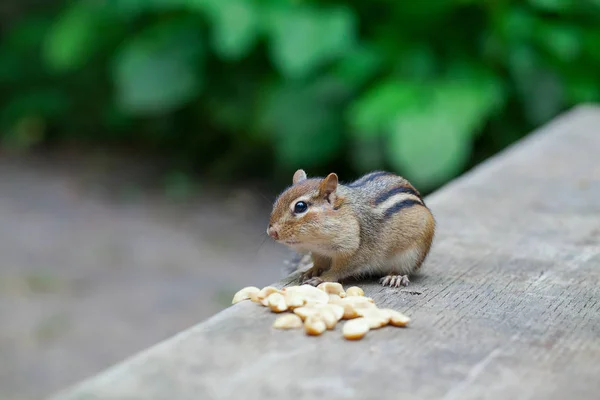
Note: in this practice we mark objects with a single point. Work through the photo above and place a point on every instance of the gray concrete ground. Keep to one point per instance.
(93, 269)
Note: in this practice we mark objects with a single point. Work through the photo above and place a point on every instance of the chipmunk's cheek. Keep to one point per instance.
(283, 234)
(308, 225)
(287, 235)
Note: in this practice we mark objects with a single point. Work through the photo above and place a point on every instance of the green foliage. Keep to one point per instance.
(70, 42)
(156, 70)
(303, 38)
(236, 24)
(430, 130)
(248, 86)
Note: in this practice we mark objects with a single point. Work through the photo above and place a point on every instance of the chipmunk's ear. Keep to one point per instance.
(328, 186)
(299, 176)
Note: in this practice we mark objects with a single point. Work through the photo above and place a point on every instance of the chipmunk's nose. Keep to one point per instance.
(273, 232)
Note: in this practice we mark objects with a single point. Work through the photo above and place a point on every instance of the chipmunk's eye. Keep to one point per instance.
(300, 207)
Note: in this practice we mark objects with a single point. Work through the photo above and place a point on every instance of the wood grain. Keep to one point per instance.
(507, 305)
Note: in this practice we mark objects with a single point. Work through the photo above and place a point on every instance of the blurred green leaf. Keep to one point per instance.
(590, 43)
(304, 38)
(552, 5)
(132, 8)
(429, 140)
(581, 93)
(420, 13)
(10, 64)
(471, 94)
(517, 24)
(375, 109)
(582, 88)
(234, 109)
(591, 6)
(27, 34)
(425, 146)
(45, 103)
(20, 46)
(540, 89)
(416, 61)
(158, 70)
(235, 26)
(543, 94)
(561, 40)
(311, 148)
(468, 94)
(367, 153)
(74, 37)
(359, 65)
(302, 122)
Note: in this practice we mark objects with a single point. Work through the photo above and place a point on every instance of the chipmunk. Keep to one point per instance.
(376, 225)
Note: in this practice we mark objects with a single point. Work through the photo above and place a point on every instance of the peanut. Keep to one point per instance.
(397, 318)
(358, 300)
(328, 317)
(264, 293)
(355, 329)
(288, 321)
(294, 299)
(305, 312)
(313, 294)
(349, 311)
(355, 291)
(314, 325)
(334, 299)
(352, 304)
(332, 288)
(364, 305)
(244, 294)
(320, 308)
(309, 293)
(277, 302)
(336, 309)
(375, 317)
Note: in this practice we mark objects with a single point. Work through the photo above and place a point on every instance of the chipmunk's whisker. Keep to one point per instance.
(265, 237)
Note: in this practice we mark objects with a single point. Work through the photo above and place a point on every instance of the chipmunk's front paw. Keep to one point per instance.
(314, 281)
(394, 280)
(312, 274)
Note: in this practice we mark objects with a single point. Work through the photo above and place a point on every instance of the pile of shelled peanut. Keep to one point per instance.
(320, 308)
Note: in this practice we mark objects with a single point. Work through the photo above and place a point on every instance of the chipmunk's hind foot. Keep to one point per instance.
(394, 280)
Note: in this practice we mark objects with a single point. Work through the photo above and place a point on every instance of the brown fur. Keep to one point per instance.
(377, 225)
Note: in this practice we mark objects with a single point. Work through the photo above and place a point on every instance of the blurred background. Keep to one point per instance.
(142, 143)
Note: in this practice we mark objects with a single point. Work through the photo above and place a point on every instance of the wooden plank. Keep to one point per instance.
(508, 304)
